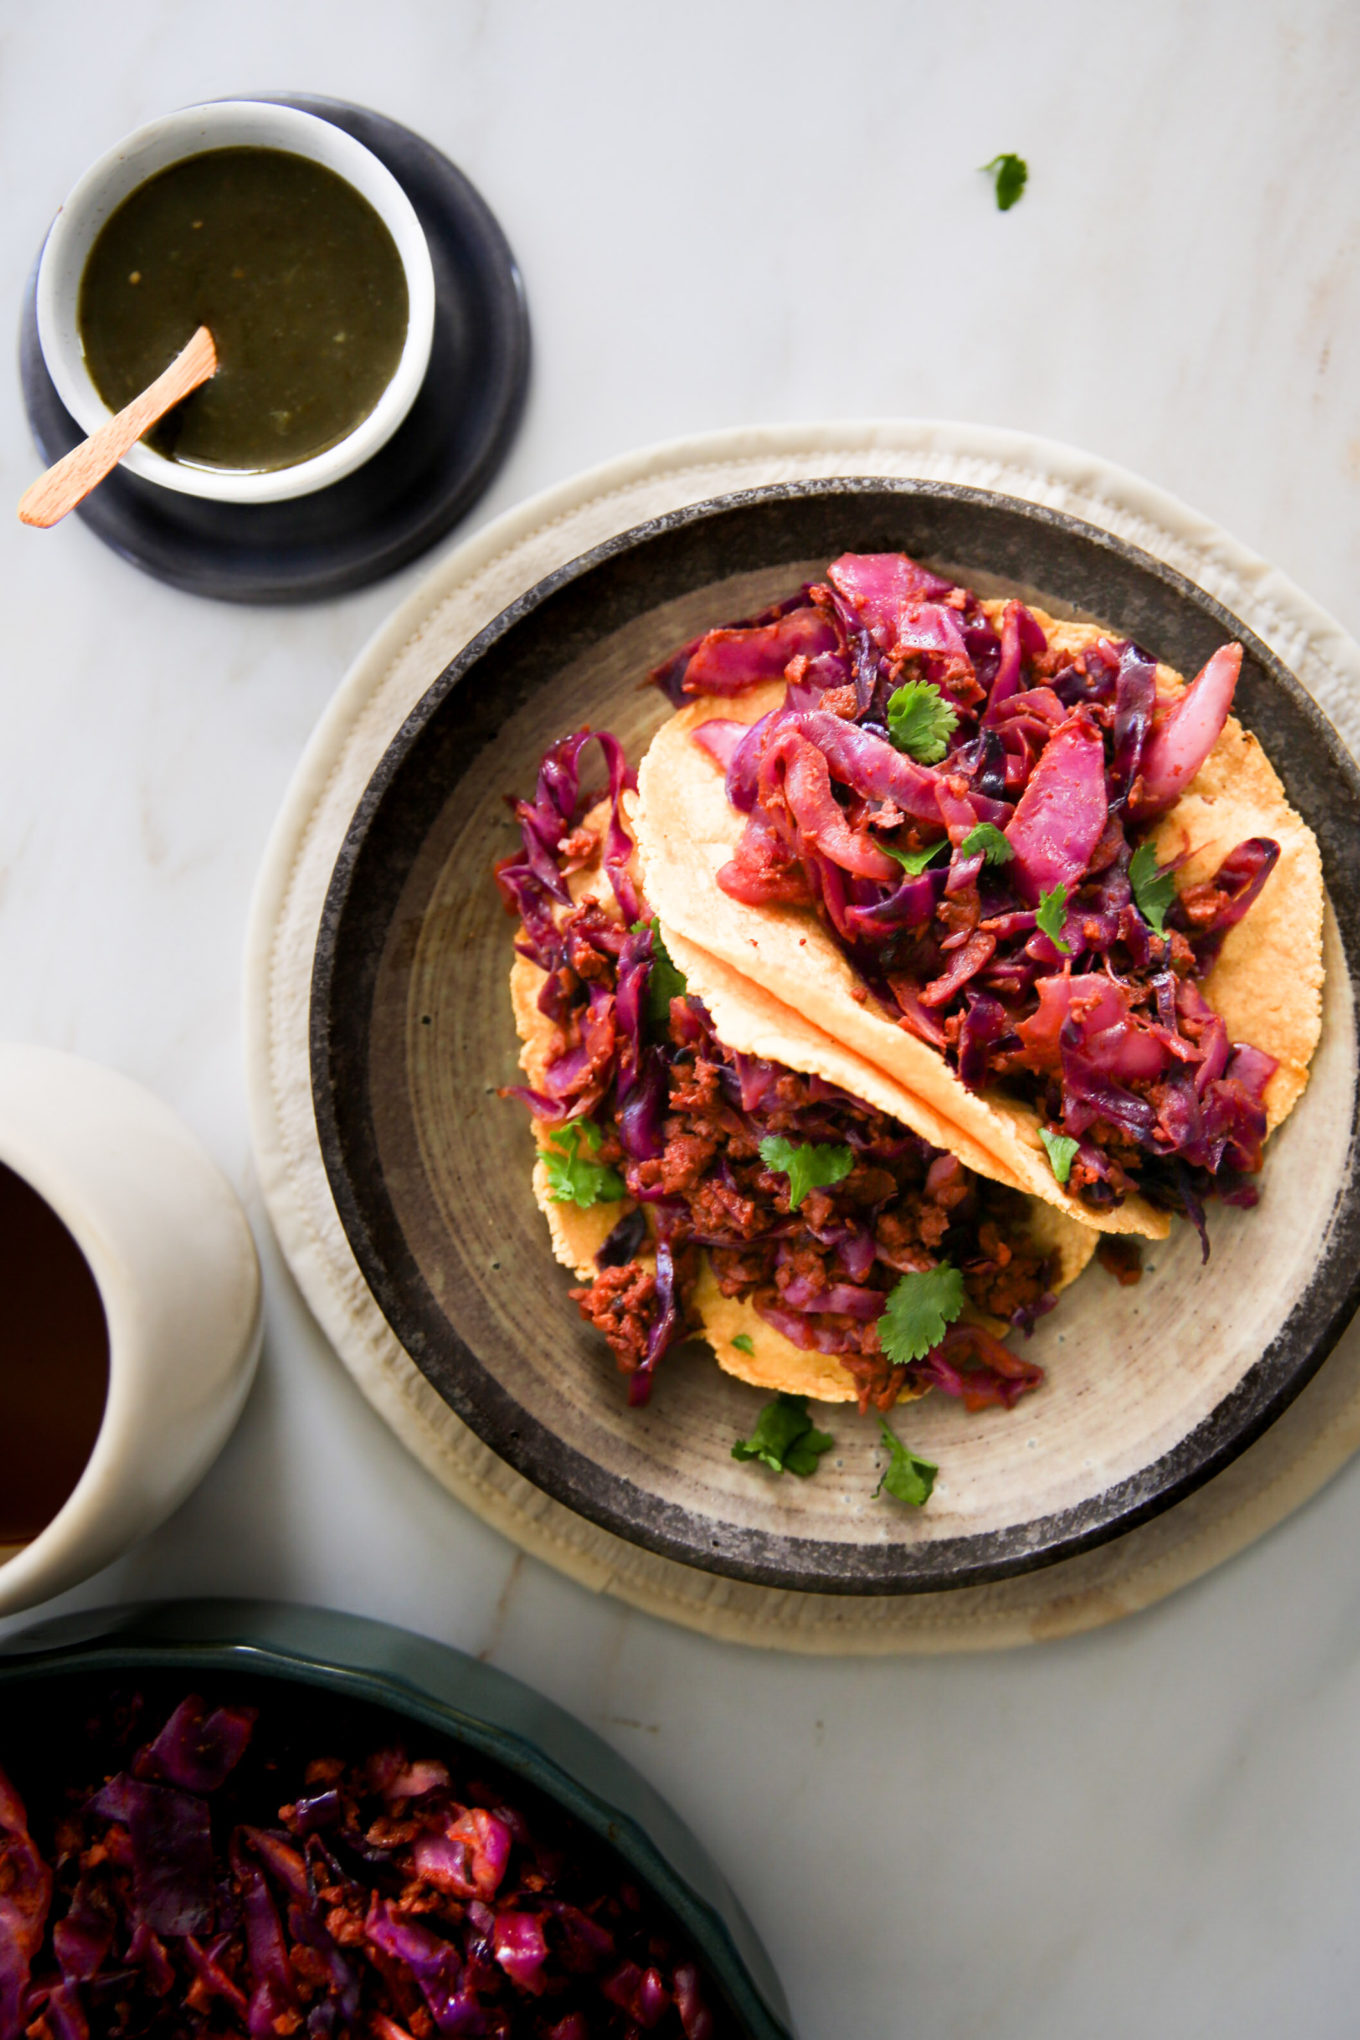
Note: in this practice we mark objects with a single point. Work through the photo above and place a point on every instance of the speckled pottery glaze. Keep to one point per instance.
(441, 1689)
(1149, 1391)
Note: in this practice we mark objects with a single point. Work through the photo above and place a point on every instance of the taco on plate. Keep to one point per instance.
(1052, 895)
(720, 1166)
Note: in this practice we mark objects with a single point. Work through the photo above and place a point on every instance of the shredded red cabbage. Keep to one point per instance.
(1071, 758)
(681, 1118)
(439, 1902)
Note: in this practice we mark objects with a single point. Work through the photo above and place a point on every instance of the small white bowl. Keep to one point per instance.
(231, 124)
(175, 1266)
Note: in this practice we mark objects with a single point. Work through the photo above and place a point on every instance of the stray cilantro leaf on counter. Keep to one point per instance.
(572, 1177)
(784, 1438)
(907, 1478)
(1062, 1150)
(1153, 889)
(1050, 914)
(918, 1311)
(986, 841)
(914, 862)
(809, 1165)
(921, 721)
(1011, 174)
(664, 981)
(743, 1342)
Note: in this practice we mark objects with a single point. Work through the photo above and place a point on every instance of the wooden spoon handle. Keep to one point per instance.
(70, 480)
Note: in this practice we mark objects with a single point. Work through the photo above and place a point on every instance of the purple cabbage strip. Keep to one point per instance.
(65, 2013)
(625, 1241)
(871, 767)
(196, 1750)
(209, 1973)
(273, 1995)
(720, 738)
(1178, 746)
(1241, 876)
(666, 1326)
(985, 1023)
(172, 1857)
(728, 661)
(435, 1964)
(1135, 698)
(82, 1938)
(521, 1949)
(1061, 815)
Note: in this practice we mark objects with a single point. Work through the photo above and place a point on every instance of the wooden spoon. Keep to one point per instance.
(70, 480)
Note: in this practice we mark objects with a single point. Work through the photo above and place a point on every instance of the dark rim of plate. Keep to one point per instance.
(518, 653)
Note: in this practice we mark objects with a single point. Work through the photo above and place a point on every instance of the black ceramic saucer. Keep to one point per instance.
(431, 471)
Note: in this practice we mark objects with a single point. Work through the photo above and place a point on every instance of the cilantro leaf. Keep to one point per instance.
(784, 1438)
(664, 981)
(572, 1178)
(1153, 889)
(1050, 915)
(987, 841)
(907, 1478)
(809, 1165)
(1062, 1151)
(743, 1342)
(1011, 174)
(914, 862)
(917, 1311)
(921, 721)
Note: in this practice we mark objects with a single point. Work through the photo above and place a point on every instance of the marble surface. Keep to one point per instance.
(728, 214)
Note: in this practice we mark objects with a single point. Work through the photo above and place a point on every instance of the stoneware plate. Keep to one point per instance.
(342, 1662)
(1150, 1390)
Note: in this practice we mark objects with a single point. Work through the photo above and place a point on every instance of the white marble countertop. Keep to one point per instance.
(730, 213)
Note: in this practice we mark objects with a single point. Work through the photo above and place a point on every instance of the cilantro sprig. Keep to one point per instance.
(572, 1177)
(809, 1165)
(744, 1343)
(664, 981)
(784, 1439)
(907, 1477)
(1153, 888)
(1051, 913)
(914, 862)
(919, 1309)
(986, 841)
(1061, 1150)
(1011, 174)
(921, 721)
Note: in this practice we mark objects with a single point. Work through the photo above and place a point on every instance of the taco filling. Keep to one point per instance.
(974, 805)
(819, 1244)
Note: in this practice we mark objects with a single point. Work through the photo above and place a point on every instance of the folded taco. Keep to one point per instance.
(1051, 894)
(721, 1167)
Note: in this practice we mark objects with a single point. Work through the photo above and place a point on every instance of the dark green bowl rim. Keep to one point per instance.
(457, 1695)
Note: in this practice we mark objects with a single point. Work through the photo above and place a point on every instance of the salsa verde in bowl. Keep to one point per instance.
(299, 250)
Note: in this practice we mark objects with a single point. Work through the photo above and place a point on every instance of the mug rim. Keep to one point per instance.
(174, 138)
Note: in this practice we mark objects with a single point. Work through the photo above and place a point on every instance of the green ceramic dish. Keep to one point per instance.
(455, 1695)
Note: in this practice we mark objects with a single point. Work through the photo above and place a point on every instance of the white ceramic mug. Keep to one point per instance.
(231, 124)
(175, 1265)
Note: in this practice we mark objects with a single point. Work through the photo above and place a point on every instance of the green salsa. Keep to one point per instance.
(296, 276)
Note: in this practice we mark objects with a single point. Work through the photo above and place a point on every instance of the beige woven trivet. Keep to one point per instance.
(1309, 1443)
